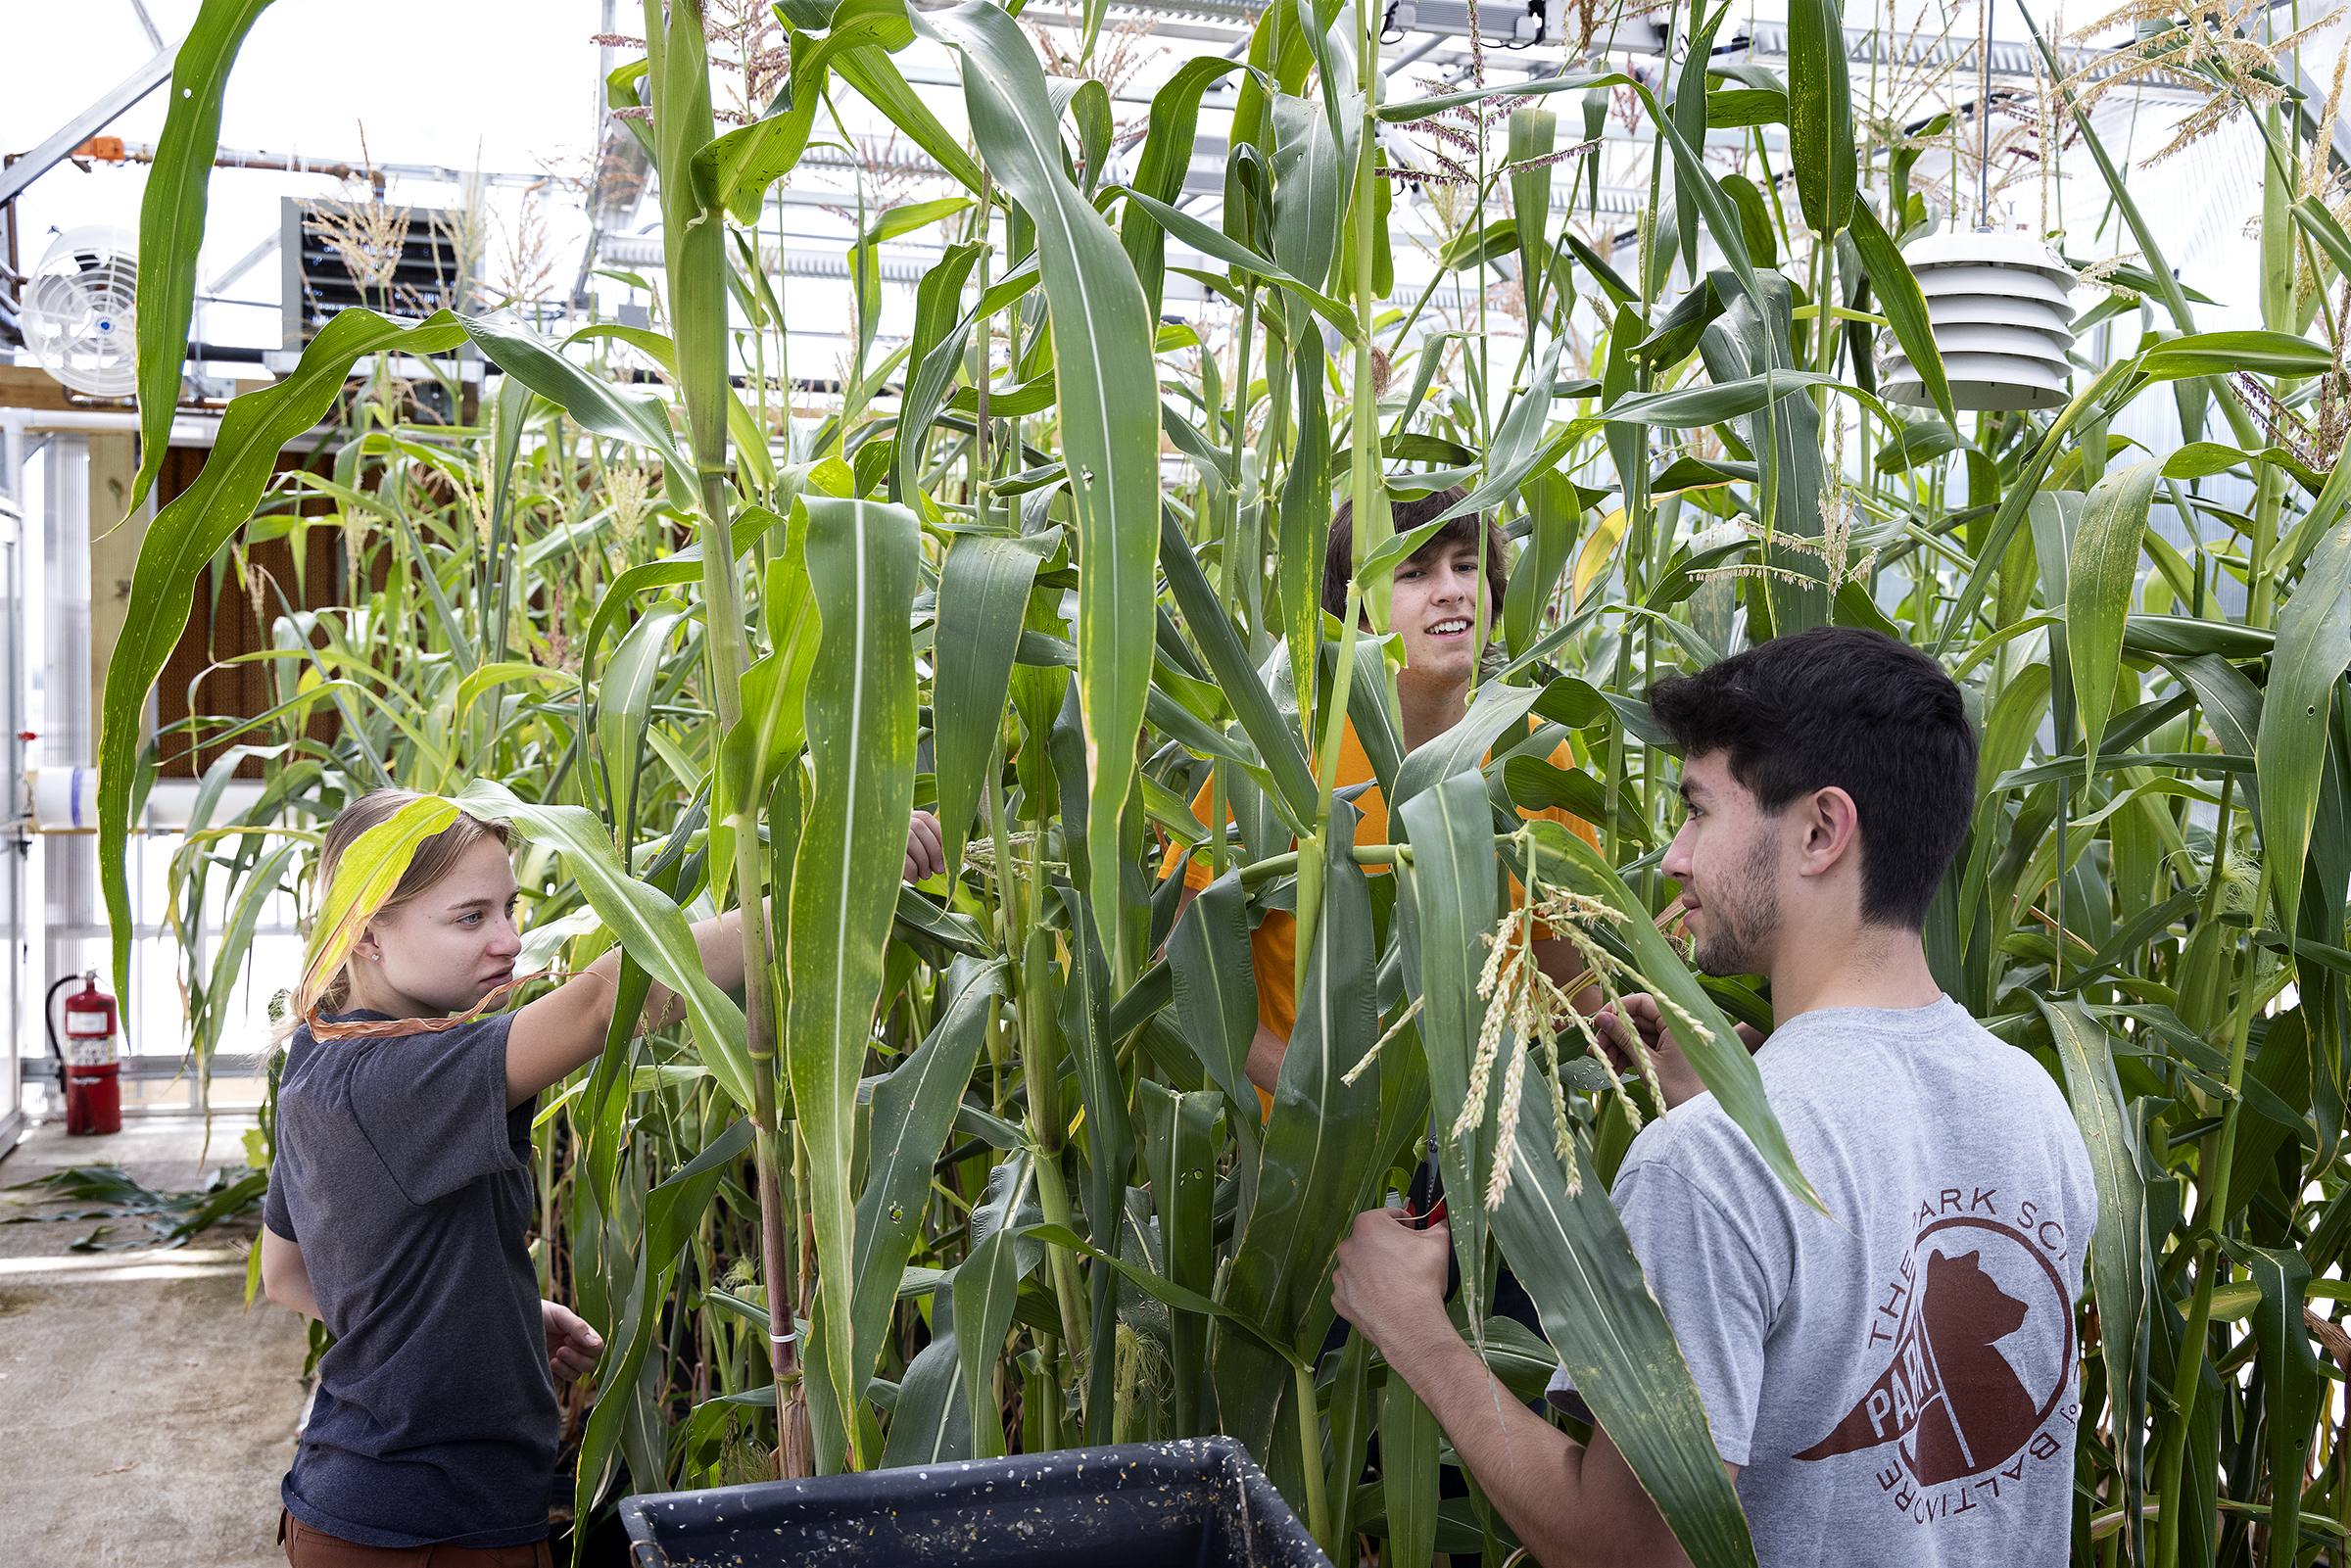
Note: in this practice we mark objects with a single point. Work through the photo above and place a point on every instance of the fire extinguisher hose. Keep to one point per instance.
(49, 1022)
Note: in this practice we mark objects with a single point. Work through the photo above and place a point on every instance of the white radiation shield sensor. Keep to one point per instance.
(2001, 321)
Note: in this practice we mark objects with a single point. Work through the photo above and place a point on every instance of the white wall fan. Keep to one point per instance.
(80, 311)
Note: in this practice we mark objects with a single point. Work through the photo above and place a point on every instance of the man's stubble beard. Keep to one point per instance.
(1743, 916)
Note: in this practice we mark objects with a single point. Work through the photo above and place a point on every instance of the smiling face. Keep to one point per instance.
(1434, 607)
(446, 949)
(1727, 857)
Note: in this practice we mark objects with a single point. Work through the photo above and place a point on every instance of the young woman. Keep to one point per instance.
(399, 1210)
(1435, 610)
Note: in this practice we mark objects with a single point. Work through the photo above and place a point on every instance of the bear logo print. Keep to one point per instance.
(1982, 1353)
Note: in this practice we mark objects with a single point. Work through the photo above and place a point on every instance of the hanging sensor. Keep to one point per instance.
(1498, 24)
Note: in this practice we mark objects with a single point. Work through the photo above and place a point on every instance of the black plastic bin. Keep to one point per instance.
(1197, 1504)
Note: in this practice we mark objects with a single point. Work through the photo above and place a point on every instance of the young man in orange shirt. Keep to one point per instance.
(1435, 610)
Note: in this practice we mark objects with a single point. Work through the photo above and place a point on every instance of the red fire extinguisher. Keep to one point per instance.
(93, 1087)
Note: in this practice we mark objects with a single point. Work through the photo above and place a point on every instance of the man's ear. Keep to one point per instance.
(1831, 831)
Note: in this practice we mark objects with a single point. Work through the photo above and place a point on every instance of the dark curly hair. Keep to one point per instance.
(1842, 707)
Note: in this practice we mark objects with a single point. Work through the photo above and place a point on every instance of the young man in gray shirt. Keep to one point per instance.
(1892, 1381)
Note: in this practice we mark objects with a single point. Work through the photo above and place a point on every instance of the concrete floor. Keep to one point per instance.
(145, 1414)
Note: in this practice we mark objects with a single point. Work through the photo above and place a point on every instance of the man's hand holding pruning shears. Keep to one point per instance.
(1396, 1268)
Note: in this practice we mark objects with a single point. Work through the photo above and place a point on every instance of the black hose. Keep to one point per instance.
(49, 1023)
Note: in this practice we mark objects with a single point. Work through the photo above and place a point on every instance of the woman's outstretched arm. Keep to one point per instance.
(556, 1036)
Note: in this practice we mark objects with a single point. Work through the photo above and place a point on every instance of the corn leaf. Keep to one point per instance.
(172, 219)
(982, 598)
(2097, 590)
(1215, 991)
(1200, 237)
(1158, 174)
(2118, 1259)
(649, 925)
(1181, 1151)
(1408, 1432)
(1820, 115)
(1518, 450)
(370, 868)
(1085, 1019)
(2220, 353)
(1102, 340)
(2314, 647)
(1571, 1255)
(1906, 307)
(913, 1108)
(1690, 407)
(2292, 1384)
(1316, 1159)
(181, 542)
(930, 1423)
(936, 352)
(1453, 886)
(876, 76)
(1463, 747)
(1274, 737)
(986, 1283)
(623, 697)
(860, 726)
(671, 1209)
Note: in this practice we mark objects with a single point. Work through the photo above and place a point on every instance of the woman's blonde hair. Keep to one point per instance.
(433, 858)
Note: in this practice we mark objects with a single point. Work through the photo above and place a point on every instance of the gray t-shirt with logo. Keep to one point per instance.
(1897, 1382)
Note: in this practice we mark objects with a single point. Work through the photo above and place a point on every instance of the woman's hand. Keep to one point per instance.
(926, 850)
(572, 1347)
(1637, 1015)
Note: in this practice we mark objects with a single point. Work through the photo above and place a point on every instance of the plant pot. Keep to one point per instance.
(1197, 1503)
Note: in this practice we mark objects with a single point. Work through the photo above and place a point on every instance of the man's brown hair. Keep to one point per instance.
(1339, 562)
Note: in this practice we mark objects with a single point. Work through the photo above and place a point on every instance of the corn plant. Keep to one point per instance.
(972, 1166)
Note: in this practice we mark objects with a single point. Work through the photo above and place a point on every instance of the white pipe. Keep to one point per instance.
(12, 457)
(67, 419)
(187, 430)
(68, 862)
(67, 729)
(65, 800)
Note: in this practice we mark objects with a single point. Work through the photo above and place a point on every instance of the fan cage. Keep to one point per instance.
(80, 311)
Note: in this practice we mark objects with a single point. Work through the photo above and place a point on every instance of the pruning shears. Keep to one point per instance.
(1424, 1206)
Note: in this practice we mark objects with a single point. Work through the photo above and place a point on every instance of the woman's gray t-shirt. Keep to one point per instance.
(1896, 1379)
(406, 1182)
